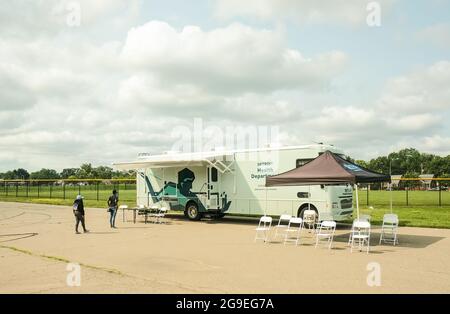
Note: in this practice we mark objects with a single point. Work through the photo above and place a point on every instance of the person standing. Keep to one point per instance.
(113, 201)
(78, 211)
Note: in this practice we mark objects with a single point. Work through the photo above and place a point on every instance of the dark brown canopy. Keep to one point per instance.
(328, 168)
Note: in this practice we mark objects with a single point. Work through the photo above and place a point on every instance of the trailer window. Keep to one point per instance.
(214, 174)
(303, 195)
(301, 162)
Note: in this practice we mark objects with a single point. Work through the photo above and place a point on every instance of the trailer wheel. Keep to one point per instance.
(192, 211)
(302, 209)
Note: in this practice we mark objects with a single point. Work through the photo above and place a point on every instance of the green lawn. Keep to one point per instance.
(127, 192)
(422, 211)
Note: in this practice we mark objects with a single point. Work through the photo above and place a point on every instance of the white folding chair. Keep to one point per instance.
(309, 219)
(389, 229)
(263, 229)
(123, 208)
(283, 224)
(326, 232)
(361, 218)
(294, 230)
(360, 234)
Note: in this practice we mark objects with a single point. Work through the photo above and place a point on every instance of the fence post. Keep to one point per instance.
(407, 198)
(38, 188)
(51, 188)
(27, 185)
(17, 189)
(64, 190)
(98, 183)
(79, 188)
(7, 186)
(440, 198)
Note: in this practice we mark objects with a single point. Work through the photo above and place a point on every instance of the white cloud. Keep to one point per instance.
(30, 19)
(436, 34)
(232, 59)
(302, 11)
(418, 92)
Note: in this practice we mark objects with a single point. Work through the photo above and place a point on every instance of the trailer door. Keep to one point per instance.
(213, 188)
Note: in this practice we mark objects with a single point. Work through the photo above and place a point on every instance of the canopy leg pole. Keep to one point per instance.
(357, 201)
(309, 197)
(265, 212)
(390, 196)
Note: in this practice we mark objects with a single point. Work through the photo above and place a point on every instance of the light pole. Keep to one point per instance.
(390, 183)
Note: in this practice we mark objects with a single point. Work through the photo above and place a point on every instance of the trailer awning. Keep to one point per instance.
(219, 160)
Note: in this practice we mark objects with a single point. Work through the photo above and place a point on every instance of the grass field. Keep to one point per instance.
(423, 208)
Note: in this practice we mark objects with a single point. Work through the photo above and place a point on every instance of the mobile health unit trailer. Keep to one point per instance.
(217, 183)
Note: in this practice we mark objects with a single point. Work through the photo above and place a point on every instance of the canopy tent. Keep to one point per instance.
(327, 169)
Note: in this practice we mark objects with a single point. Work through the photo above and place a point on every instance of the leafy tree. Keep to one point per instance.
(68, 172)
(17, 174)
(45, 174)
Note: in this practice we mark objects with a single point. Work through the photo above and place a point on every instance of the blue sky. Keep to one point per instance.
(131, 71)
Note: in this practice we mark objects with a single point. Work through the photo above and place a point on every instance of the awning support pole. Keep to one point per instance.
(357, 201)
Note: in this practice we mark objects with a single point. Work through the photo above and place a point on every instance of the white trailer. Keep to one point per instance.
(217, 183)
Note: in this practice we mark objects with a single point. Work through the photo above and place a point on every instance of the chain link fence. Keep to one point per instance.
(92, 189)
(408, 192)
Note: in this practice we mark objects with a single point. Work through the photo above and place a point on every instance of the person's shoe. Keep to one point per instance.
(77, 232)
(86, 231)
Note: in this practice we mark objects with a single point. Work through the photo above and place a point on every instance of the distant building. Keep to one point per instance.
(395, 180)
(426, 184)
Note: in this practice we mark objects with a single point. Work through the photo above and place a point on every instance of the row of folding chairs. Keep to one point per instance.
(289, 228)
(361, 227)
(291, 232)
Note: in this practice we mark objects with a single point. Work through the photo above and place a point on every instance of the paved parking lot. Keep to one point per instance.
(38, 241)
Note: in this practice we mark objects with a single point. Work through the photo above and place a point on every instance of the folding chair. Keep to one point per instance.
(123, 208)
(361, 218)
(309, 219)
(389, 229)
(360, 234)
(326, 232)
(294, 230)
(283, 224)
(263, 229)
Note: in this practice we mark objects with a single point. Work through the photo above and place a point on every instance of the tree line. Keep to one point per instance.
(410, 163)
(85, 171)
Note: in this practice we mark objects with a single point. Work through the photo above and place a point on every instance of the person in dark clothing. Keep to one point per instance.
(78, 211)
(113, 201)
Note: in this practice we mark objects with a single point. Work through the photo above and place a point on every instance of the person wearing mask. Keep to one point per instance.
(78, 211)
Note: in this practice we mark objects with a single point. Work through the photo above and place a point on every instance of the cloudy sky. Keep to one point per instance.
(119, 77)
